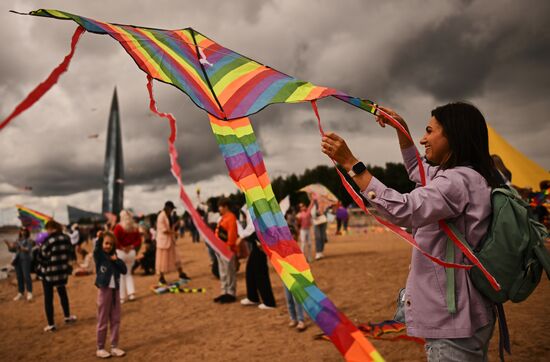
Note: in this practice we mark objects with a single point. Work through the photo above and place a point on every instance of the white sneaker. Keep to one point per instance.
(247, 301)
(301, 326)
(18, 297)
(319, 256)
(117, 352)
(265, 307)
(70, 319)
(292, 323)
(131, 297)
(29, 297)
(50, 328)
(101, 353)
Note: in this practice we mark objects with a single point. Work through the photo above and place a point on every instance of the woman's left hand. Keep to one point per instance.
(336, 148)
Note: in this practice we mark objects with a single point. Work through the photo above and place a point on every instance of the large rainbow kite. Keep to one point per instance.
(231, 87)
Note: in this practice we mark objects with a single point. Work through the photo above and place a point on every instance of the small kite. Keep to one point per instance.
(230, 87)
(32, 219)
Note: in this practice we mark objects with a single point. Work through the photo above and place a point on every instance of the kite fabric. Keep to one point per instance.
(388, 330)
(244, 160)
(230, 87)
(32, 219)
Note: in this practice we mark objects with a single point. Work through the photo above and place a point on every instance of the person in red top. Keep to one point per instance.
(128, 239)
(227, 232)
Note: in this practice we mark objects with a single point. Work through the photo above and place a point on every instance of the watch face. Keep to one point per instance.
(359, 168)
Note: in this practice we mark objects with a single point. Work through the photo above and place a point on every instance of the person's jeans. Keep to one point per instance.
(305, 243)
(48, 301)
(471, 349)
(320, 237)
(295, 309)
(23, 272)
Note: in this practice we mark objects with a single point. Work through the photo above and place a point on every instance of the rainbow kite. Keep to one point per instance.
(32, 219)
(231, 87)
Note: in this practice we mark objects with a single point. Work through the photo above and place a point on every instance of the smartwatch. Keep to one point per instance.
(357, 169)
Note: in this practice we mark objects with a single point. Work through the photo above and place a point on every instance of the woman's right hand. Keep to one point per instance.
(383, 120)
(404, 138)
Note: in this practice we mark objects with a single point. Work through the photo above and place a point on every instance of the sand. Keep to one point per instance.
(361, 274)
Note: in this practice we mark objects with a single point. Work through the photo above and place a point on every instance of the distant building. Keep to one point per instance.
(113, 174)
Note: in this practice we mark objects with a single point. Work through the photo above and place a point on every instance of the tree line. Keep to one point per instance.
(393, 175)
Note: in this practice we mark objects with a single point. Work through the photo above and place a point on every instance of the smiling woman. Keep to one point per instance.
(455, 322)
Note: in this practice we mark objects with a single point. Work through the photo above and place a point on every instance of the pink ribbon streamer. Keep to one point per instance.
(209, 236)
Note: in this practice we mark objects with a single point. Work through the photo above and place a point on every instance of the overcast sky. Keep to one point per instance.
(408, 55)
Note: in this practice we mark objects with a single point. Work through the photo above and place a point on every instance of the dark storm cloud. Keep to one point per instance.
(411, 55)
(456, 57)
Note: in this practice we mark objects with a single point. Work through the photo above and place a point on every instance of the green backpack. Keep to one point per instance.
(513, 250)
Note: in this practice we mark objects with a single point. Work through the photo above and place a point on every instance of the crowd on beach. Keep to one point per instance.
(460, 174)
(124, 246)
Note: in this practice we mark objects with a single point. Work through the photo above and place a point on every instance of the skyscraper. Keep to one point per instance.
(113, 172)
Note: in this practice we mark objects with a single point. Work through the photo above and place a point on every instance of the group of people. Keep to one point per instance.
(459, 176)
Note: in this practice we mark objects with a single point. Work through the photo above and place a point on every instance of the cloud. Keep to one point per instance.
(411, 56)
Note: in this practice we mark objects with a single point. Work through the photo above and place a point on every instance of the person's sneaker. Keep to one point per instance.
(18, 297)
(218, 298)
(265, 307)
(50, 328)
(301, 326)
(101, 353)
(247, 301)
(131, 297)
(70, 319)
(184, 276)
(29, 297)
(117, 352)
(319, 256)
(228, 298)
(292, 323)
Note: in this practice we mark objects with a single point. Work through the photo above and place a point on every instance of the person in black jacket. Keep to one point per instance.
(54, 260)
(108, 270)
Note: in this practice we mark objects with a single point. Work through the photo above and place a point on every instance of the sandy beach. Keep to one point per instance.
(361, 274)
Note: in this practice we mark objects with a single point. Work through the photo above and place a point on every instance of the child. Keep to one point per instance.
(108, 270)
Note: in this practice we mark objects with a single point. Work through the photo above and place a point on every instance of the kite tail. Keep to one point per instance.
(45, 86)
(209, 236)
(397, 230)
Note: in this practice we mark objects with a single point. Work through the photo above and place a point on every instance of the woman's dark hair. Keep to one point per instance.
(24, 232)
(113, 238)
(466, 130)
(52, 224)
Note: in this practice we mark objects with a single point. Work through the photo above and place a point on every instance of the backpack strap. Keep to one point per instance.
(450, 274)
(453, 233)
(503, 334)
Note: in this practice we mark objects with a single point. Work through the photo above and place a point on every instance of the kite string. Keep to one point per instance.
(47, 84)
(206, 232)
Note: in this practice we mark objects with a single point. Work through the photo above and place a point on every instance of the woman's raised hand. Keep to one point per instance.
(383, 120)
(336, 148)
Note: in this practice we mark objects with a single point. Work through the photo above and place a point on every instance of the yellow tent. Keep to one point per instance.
(525, 173)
